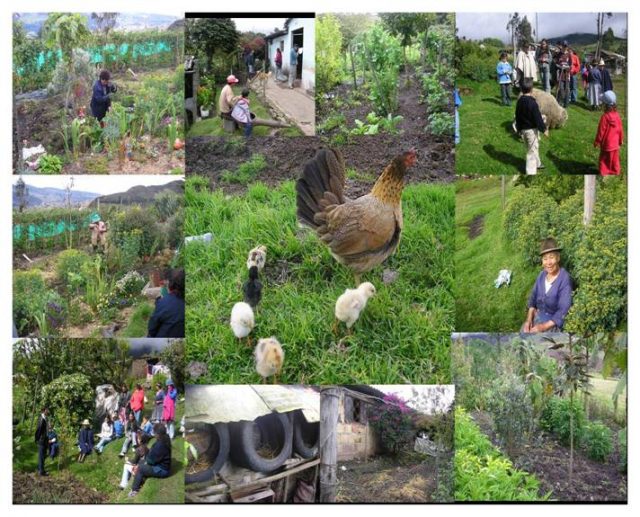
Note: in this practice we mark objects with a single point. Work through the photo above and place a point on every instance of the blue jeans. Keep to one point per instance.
(147, 471)
(564, 93)
(546, 78)
(574, 88)
(248, 128)
(103, 442)
(506, 96)
(457, 127)
(137, 415)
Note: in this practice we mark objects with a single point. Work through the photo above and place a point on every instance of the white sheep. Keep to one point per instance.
(257, 257)
(269, 358)
(242, 320)
(352, 302)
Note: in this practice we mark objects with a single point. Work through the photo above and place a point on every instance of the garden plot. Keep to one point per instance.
(402, 335)
(64, 287)
(531, 424)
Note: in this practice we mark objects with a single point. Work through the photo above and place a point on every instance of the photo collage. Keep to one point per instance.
(323, 257)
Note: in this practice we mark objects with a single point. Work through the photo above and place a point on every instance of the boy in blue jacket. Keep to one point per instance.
(504, 71)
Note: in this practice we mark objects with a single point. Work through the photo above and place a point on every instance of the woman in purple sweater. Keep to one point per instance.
(550, 299)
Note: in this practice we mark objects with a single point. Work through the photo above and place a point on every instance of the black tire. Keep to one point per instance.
(216, 451)
(305, 435)
(247, 438)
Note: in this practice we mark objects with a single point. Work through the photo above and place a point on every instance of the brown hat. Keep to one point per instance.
(548, 245)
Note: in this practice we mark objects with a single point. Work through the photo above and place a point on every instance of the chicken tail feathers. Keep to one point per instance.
(320, 185)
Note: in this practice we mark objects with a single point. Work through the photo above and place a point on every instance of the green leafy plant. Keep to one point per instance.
(50, 164)
(440, 123)
(597, 441)
(394, 423)
(512, 412)
(246, 172)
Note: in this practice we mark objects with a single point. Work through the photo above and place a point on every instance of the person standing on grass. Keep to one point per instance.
(595, 85)
(123, 403)
(293, 64)
(607, 83)
(169, 408)
(609, 137)
(543, 57)
(504, 70)
(156, 415)
(529, 125)
(41, 438)
(137, 402)
(526, 65)
(167, 319)
(157, 462)
(564, 78)
(278, 62)
(98, 233)
(575, 71)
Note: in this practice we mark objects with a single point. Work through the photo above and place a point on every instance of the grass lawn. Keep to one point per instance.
(212, 126)
(480, 307)
(489, 146)
(139, 321)
(402, 336)
(602, 395)
(103, 472)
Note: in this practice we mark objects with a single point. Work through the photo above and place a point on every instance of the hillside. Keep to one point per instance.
(139, 195)
(48, 196)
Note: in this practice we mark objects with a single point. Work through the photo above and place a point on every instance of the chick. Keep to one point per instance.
(242, 321)
(269, 358)
(351, 303)
(257, 257)
(252, 288)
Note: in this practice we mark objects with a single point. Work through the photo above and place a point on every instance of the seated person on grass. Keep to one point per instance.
(167, 319)
(227, 99)
(146, 427)
(85, 440)
(157, 463)
(130, 433)
(550, 298)
(118, 427)
(131, 466)
(106, 434)
(242, 114)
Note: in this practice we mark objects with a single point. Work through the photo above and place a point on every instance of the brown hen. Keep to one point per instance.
(361, 233)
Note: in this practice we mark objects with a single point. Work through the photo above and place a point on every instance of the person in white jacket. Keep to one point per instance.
(525, 64)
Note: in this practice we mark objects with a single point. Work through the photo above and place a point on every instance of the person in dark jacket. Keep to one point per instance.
(550, 298)
(167, 319)
(101, 100)
(157, 462)
(85, 440)
(529, 124)
(42, 439)
(607, 83)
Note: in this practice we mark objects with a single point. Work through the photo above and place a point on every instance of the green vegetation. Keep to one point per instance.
(403, 333)
(247, 172)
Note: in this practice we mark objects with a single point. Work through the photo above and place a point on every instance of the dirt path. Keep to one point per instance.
(549, 461)
(380, 480)
(295, 104)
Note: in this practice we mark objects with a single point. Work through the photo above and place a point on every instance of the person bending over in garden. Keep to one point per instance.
(101, 97)
(504, 70)
(227, 99)
(98, 233)
(137, 402)
(169, 408)
(85, 440)
(157, 463)
(106, 434)
(242, 114)
(167, 319)
(550, 298)
(130, 467)
(529, 124)
(42, 439)
(609, 136)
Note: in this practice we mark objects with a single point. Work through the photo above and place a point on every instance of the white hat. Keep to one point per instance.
(609, 98)
(601, 63)
(232, 79)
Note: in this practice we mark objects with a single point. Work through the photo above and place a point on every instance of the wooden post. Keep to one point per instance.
(589, 197)
(353, 67)
(329, 398)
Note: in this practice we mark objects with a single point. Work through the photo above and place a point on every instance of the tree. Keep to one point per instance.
(105, 22)
(22, 193)
(608, 39)
(173, 358)
(206, 36)
(512, 27)
(523, 31)
(328, 49)
(406, 26)
(600, 29)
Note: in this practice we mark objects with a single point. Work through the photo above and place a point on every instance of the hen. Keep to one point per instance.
(361, 233)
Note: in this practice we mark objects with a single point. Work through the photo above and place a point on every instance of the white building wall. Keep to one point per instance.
(309, 50)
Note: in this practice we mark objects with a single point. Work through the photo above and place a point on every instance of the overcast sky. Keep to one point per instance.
(493, 25)
(98, 184)
(264, 25)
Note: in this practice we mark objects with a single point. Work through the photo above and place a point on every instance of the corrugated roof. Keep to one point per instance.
(213, 404)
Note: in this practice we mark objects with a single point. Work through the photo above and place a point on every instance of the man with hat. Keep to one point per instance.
(227, 98)
(550, 298)
(98, 232)
(605, 81)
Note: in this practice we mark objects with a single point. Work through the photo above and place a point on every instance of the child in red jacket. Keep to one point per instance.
(609, 136)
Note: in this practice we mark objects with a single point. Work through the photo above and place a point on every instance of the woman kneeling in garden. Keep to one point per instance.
(550, 299)
(157, 463)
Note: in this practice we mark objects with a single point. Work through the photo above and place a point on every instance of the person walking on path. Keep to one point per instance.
(609, 137)
(529, 125)
(42, 439)
(504, 70)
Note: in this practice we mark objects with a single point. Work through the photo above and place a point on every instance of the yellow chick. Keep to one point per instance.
(242, 320)
(269, 358)
(351, 303)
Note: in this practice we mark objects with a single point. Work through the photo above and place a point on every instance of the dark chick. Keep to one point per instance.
(252, 288)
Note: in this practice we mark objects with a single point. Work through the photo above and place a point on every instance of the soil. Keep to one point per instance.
(285, 156)
(476, 227)
(383, 480)
(549, 461)
(63, 488)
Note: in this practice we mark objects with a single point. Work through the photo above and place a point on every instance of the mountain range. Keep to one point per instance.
(48, 196)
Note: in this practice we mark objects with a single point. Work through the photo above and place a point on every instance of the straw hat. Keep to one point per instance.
(549, 245)
(86, 422)
(601, 63)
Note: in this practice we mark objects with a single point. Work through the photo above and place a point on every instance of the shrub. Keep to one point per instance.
(622, 448)
(30, 297)
(512, 411)
(142, 221)
(50, 164)
(556, 419)
(173, 357)
(329, 53)
(598, 441)
(441, 123)
(69, 269)
(82, 72)
(394, 424)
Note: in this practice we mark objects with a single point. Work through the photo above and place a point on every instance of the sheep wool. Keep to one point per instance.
(554, 115)
(242, 320)
(352, 302)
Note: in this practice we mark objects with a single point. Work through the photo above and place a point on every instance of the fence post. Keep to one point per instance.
(329, 397)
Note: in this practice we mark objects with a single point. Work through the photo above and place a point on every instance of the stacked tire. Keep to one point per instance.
(211, 442)
(305, 435)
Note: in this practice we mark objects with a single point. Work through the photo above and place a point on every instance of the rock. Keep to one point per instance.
(196, 369)
(389, 276)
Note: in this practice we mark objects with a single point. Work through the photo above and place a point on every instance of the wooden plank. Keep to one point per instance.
(257, 496)
(281, 475)
(329, 399)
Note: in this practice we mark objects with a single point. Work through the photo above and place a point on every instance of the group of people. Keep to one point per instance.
(560, 69)
(126, 422)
